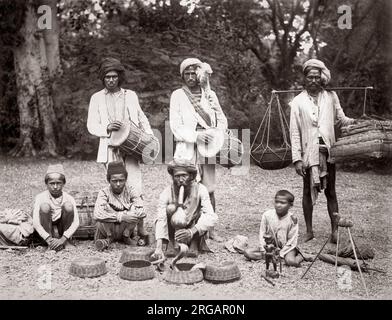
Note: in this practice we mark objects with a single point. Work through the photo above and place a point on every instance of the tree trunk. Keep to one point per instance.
(33, 95)
(51, 37)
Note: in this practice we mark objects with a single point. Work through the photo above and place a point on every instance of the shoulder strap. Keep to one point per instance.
(198, 108)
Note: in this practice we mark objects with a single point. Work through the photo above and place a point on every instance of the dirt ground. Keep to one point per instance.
(365, 197)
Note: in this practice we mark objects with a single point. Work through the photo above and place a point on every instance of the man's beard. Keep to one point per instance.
(313, 88)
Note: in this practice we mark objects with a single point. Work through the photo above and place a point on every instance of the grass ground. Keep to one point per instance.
(365, 197)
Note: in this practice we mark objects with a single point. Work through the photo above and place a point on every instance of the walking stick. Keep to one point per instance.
(337, 249)
(318, 254)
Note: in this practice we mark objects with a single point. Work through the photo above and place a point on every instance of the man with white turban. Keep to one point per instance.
(193, 109)
(314, 112)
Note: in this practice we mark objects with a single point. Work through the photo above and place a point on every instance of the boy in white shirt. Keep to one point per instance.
(54, 207)
(282, 225)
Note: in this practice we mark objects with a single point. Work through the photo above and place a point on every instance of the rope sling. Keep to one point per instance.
(270, 157)
(265, 156)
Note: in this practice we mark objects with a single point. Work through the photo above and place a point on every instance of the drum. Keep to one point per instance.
(85, 204)
(133, 141)
(210, 149)
(227, 149)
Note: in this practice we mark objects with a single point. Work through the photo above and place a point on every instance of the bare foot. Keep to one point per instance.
(308, 236)
(307, 256)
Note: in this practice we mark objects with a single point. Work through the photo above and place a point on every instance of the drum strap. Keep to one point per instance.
(197, 106)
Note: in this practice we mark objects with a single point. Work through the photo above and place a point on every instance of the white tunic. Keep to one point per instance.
(285, 230)
(104, 109)
(184, 120)
(308, 121)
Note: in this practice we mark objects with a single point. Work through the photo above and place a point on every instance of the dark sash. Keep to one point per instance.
(197, 106)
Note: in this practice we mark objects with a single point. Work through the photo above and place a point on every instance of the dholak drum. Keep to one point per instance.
(85, 204)
(227, 149)
(135, 142)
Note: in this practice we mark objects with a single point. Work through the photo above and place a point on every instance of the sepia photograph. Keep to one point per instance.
(214, 151)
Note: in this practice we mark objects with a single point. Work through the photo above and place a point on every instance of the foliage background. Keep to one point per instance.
(235, 36)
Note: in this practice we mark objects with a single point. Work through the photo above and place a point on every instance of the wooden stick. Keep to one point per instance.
(317, 255)
(337, 249)
(356, 260)
(13, 247)
(335, 88)
(268, 280)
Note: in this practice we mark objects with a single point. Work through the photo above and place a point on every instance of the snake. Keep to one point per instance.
(183, 251)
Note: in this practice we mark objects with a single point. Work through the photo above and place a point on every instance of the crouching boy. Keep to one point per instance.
(55, 209)
(118, 209)
(282, 226)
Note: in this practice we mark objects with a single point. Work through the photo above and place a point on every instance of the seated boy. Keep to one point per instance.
(282, 226)
(54, 207)
(118, 209)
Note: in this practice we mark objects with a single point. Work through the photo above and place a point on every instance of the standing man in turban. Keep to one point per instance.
(192, 110)
(109, 109)
(199, 214)
(314, 112)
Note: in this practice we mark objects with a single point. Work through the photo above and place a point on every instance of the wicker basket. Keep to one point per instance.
(272, 159)
(87, 267)
(137, 270)
(185, 275)
(227, 271)
(138, 253)
(85, 203)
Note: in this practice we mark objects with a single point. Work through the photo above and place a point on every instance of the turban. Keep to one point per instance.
(110, 64)
(116, 167)
(189, 62)
(317, 64)
(180, 165)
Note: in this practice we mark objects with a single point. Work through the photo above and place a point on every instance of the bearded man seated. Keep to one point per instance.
(198, 214)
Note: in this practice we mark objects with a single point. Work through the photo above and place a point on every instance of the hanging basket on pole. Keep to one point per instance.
(266, 155)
